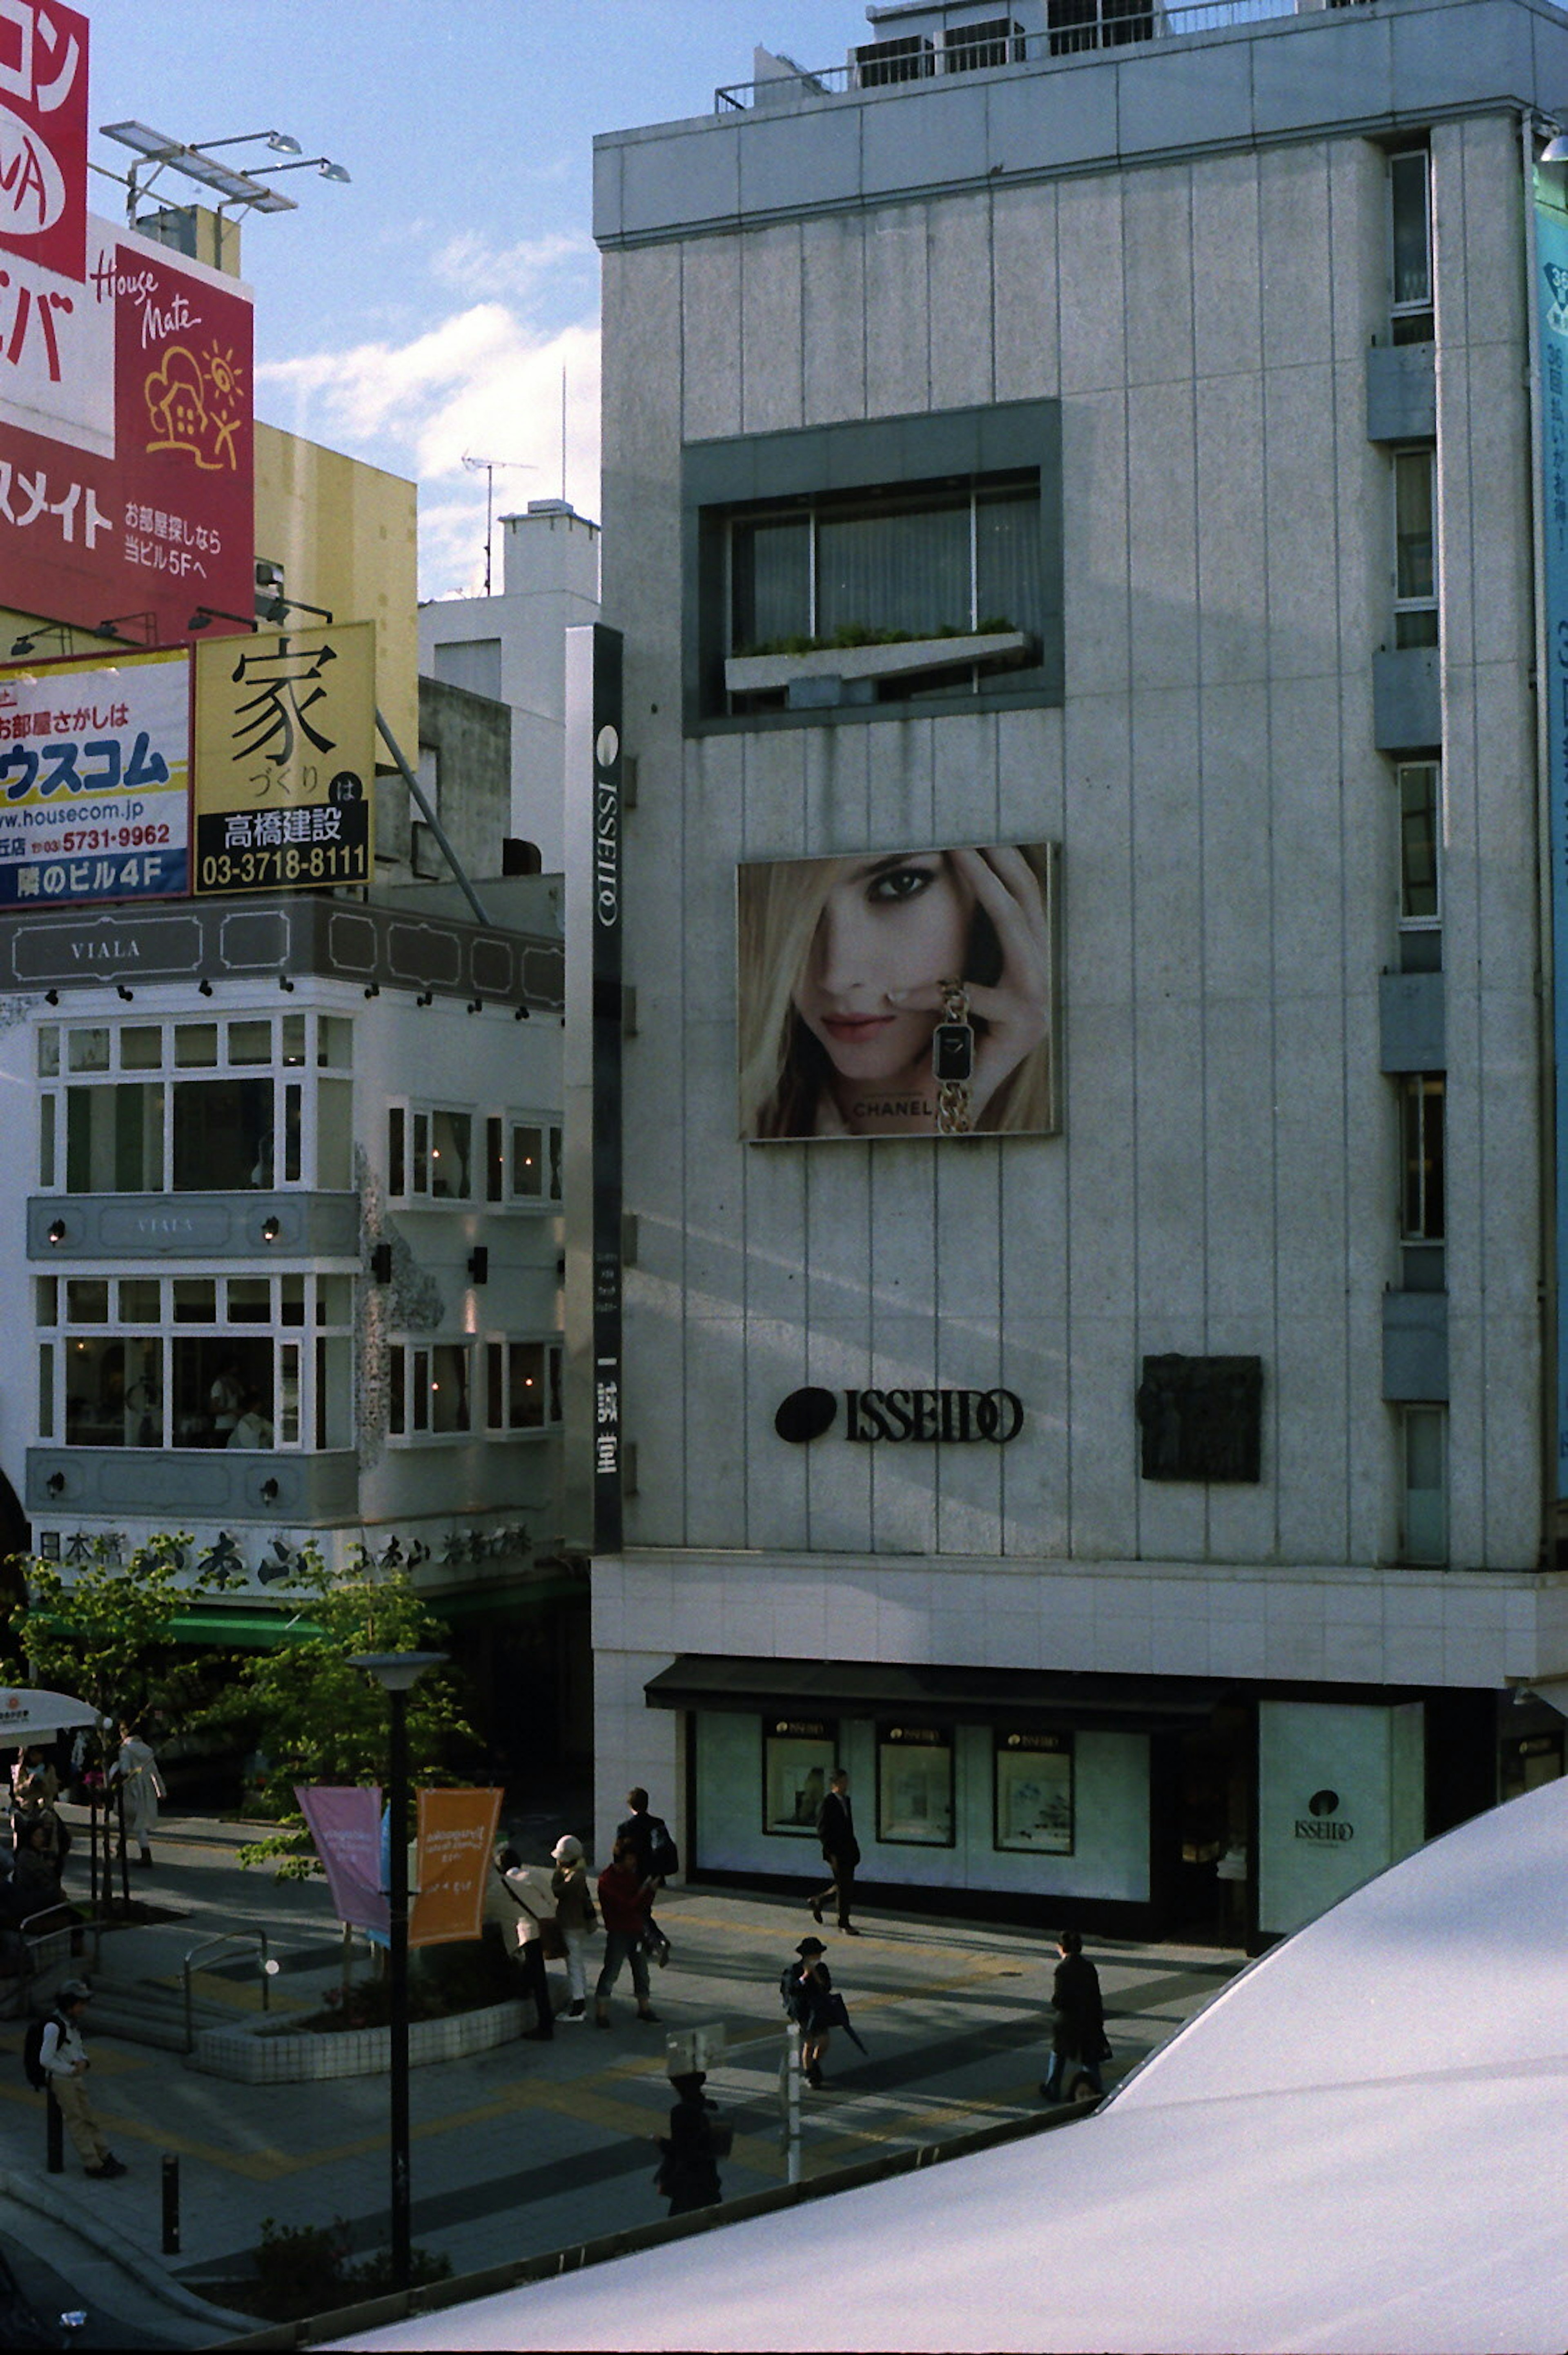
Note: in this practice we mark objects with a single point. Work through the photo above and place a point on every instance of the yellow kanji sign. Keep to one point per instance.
(284, 759)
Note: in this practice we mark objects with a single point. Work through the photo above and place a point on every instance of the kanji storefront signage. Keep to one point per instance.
(94, 770)
(286, 744)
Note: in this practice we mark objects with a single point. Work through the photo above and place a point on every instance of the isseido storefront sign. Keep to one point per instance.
(933, 1415)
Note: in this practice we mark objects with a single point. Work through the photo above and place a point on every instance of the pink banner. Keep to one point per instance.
(345, 1825)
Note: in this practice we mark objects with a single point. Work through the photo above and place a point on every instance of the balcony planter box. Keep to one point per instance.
(759, 674)
(273, 2056)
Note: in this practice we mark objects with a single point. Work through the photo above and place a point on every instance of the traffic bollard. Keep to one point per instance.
(54, 2133)
(171, 2205)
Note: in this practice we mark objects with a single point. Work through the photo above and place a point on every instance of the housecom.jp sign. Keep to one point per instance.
(937, 1417)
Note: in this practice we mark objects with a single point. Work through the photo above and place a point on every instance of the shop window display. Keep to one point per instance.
(798, 1757)
(1034, 1793)
(914, 1785)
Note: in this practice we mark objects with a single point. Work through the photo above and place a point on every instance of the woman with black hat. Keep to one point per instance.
(807, 1988)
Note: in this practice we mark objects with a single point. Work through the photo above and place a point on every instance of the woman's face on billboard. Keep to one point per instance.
(888, 925)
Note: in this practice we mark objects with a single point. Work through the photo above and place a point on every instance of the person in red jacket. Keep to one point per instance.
(626, 1900)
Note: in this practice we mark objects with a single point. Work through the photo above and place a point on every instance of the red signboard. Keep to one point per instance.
(43, 139)
(126, 472)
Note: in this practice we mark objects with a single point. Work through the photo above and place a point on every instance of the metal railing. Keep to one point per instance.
(961, 53)
(211, 1947)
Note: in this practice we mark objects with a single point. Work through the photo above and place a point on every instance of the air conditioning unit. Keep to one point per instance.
(877, 63)
(993, 41)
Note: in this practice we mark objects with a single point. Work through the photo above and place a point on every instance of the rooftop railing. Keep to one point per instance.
(1081, 28)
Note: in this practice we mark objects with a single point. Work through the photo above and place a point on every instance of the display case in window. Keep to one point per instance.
(798, 1757)
(914, 1785)
(1033, 1793)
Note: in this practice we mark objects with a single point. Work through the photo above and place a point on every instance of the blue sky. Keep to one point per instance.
(427, 310)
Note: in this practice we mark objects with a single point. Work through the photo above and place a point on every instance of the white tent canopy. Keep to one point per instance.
(27, 1714)
(1357, 2147)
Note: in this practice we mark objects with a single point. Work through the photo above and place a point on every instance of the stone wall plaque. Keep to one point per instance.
(1202, 1418)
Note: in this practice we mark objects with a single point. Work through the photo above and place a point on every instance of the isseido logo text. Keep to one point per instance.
(606, 852)
(933, 1415)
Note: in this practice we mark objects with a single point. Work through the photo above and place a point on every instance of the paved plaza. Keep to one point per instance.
(534, 2146)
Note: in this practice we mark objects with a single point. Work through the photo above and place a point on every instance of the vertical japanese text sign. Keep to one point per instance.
(608, 720)
(43, 147)
(1550, 295)
(285, 749)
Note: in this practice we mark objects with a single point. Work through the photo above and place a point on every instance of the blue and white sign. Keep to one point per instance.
(94, 782)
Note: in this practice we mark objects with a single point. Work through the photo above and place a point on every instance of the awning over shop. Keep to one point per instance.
(1020, 1697)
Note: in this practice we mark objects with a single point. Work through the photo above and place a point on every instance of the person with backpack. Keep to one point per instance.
(658, 1860)
(54, 2055)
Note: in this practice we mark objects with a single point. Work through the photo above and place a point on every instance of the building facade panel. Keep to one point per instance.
(1278, 1424)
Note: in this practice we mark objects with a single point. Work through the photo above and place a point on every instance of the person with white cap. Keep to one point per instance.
(62, 2056)
(576, 1917)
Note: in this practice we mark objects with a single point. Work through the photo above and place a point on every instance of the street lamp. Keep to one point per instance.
(397, 1673)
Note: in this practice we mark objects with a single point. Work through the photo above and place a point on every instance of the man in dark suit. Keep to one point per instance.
(836, 1830)
(1078, 2038)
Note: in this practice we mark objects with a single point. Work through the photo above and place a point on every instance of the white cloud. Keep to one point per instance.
(475, 267)
(484, 383)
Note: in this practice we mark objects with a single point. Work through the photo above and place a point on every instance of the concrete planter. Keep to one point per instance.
(755, 674)
(266, 2057)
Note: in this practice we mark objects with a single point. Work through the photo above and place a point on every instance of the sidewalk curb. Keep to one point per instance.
(105, 2242)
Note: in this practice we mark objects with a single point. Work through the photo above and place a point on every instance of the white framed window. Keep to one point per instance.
(869, 567)
(1409, 245)
(1423, 1484)
(243, 1361)
(1416, 547)
(430, 1389)
(430, 1153)
(261, 1101)
(522, 1385)
(522, 1160)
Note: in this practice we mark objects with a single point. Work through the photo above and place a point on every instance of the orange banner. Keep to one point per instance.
(456, 1841)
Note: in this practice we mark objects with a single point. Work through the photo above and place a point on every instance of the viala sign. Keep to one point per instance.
(939, 1416)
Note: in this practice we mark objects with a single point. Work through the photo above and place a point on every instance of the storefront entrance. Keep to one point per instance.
(1205, 1807)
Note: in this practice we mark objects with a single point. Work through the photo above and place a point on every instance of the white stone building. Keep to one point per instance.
(1179, 373)
(511, 648)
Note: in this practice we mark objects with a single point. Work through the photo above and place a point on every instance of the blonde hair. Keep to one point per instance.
(783, 1069)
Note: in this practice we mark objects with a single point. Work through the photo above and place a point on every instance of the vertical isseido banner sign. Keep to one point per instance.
(1550, 295)
(607, 1036)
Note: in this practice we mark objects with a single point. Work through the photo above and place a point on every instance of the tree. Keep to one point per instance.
(105, 1631)
(317, 1718)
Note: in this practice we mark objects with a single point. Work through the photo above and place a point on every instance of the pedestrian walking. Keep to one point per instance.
(511, 1903)
(836, 1830)
(577, 1919)
(625, 1897)
(806, 1986)
(688, 2173)
(659, 1860)
(137, 1769)
(1078, 2038)
(62, 2057)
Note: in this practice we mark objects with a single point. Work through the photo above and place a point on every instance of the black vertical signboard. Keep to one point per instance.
(607, 1036)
